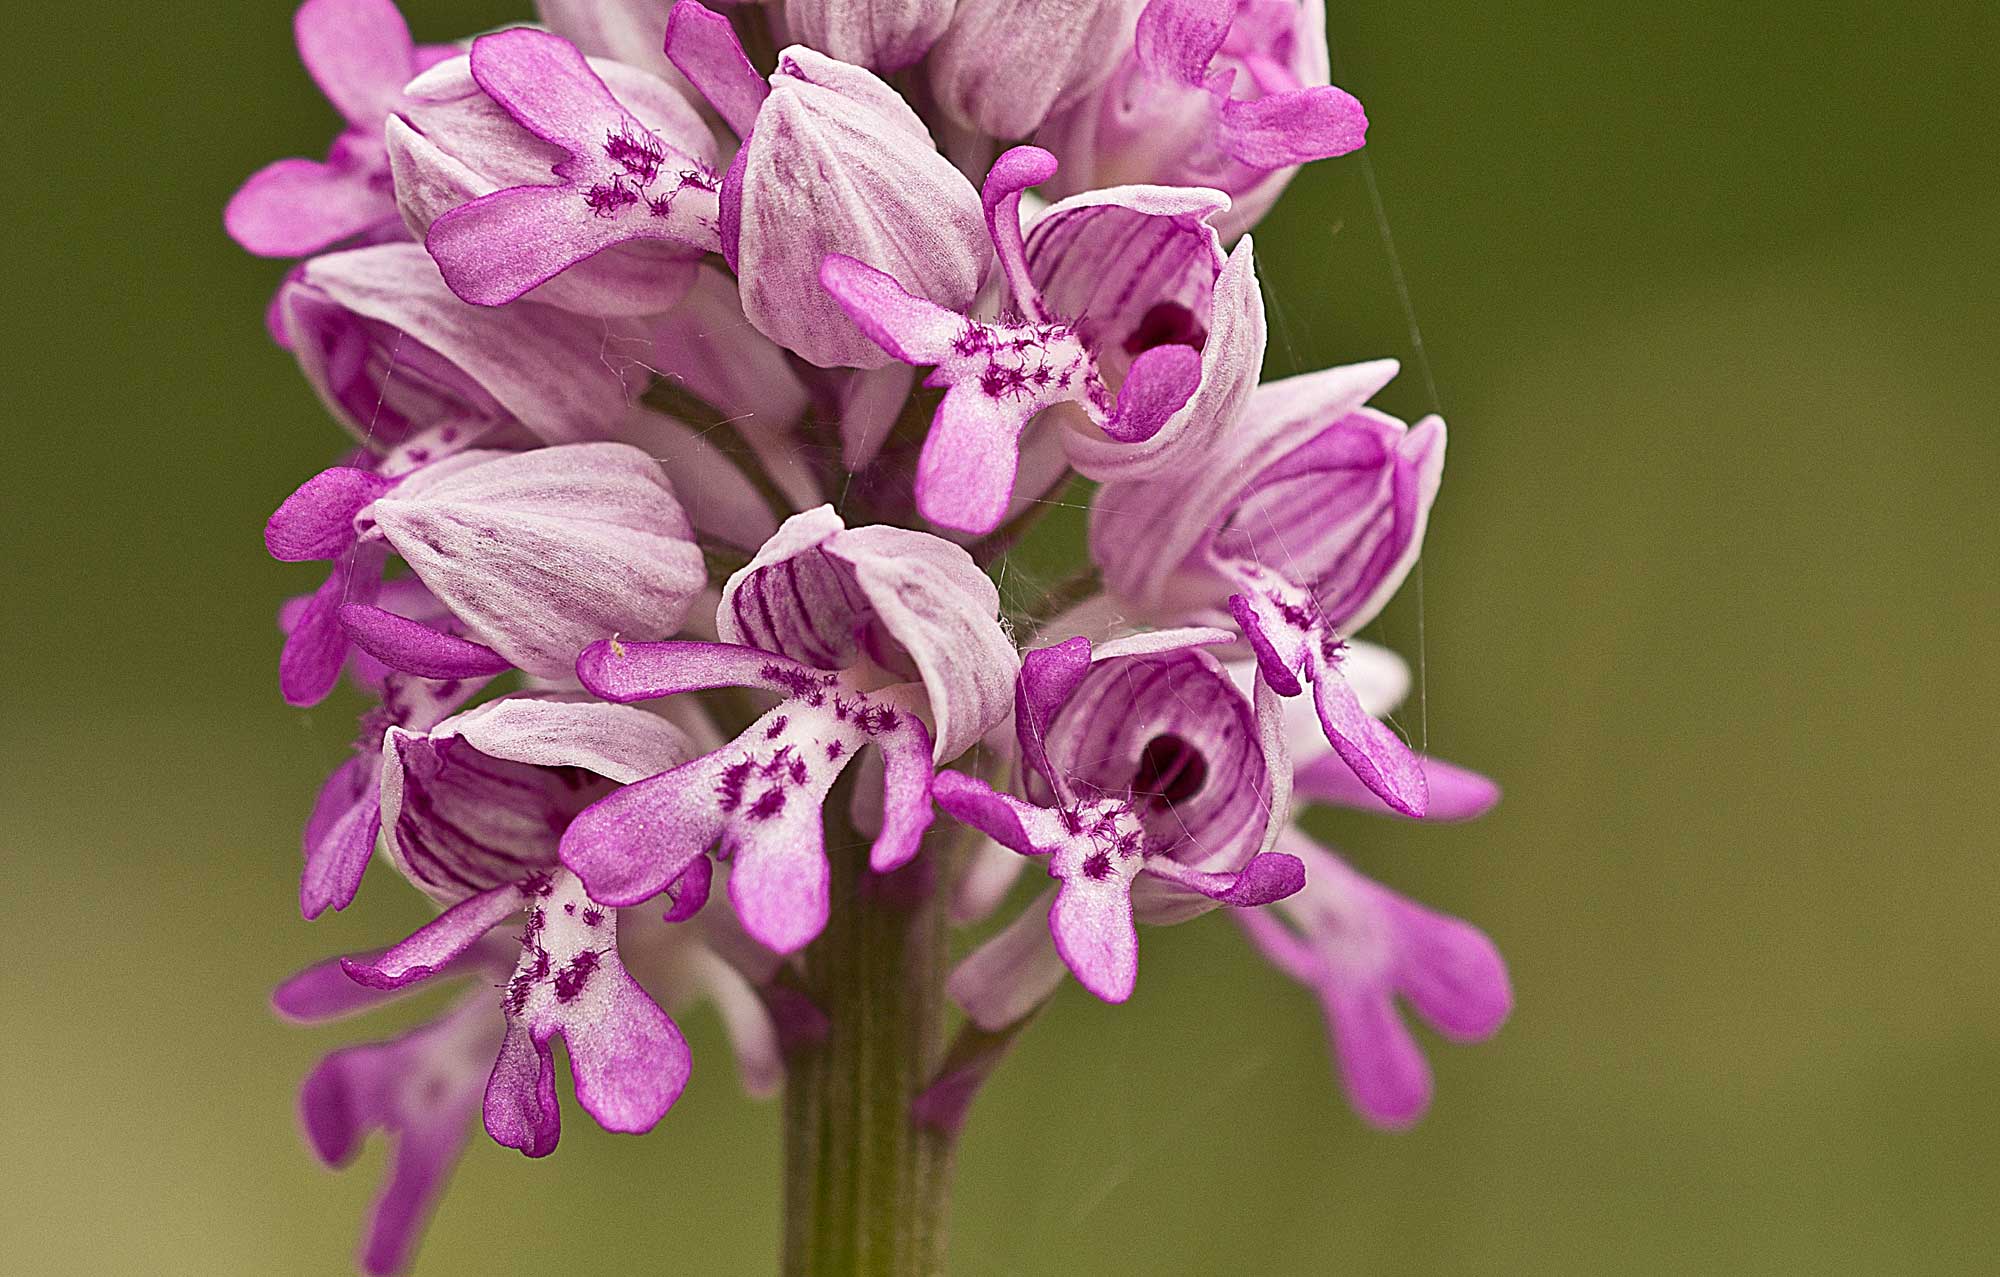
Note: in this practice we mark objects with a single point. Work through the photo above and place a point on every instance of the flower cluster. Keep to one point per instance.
(648, 546)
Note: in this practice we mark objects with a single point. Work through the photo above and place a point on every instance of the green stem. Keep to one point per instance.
(867, 1188)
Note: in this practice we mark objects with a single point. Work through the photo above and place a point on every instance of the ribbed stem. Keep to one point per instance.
(866, 1188)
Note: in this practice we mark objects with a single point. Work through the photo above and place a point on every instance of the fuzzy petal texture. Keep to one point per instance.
(757, 799)
(839, 164)
(1232, 353)
(883, 35)
(703, 46)
(541, 553)
(1003, 65)
(629, 1060)
(1263, 493)
(415, 374)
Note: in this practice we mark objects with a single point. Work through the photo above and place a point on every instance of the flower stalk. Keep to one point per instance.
(867, 1189)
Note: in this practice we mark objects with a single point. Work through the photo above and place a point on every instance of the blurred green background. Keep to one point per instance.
(1708, 290)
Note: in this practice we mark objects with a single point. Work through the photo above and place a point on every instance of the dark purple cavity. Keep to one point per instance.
(1166, 324)
(1170, 771)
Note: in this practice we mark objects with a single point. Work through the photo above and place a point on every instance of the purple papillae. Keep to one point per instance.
(701, 371)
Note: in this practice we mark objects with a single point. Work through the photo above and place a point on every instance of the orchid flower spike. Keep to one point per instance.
(852, 630)
(533, 555)
(1122, 306)
(1230, 94)
(1312, 515)
(1152, 787)
(1359, 946)
(528, 167)
(360, 54)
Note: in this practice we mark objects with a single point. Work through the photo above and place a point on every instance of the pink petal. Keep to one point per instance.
(520, 1103)
(1158, 385)
(438, 943)
(1384, 1070)
(703, 47)
(965, 474)
(629, 846)
(1014, 172)
(340, 836)
(317, 521)
(778, 880)
(1454, 792)
(359, 53)
(496, 248)
(906, 795)
(1268, 877)
(1049, 676)
(1378, 757)
(1092, 926)
(296, 207)
(1279, 129)
(1178, 38)
(416, 648)
(972, 802)
(1009, 975)
(1451, 972)
(644, 671)
(912, 329)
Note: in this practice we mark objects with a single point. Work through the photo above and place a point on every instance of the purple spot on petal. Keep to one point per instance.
(608, 199)
(640, 157)
(571, 979)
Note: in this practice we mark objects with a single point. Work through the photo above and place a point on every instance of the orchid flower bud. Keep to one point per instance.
(527, 167)
(883, 35)
(533, 555)
(1003, 65)
(415, 374)
(833, 162)
(1229, 94)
